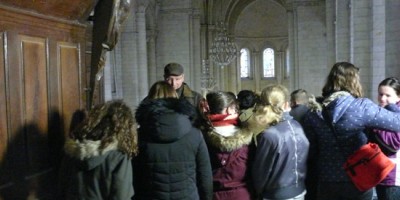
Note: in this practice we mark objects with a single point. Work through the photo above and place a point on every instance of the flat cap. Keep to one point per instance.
(173, 69)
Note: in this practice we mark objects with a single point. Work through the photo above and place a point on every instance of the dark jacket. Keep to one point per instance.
(173, 161)
(230, 160)
(193, 97)
(279, 168)
(298, 112)
(350, 118)
(89, 173)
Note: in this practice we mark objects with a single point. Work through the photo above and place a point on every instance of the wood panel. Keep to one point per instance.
(26, 24)
(40, 87)
(35, 80)
(14, 82)
(70, 68)
(34, 66)
(14, 165)
(71, 9)
(3, 101)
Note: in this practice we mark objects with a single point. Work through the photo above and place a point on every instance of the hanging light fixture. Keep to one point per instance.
(222, 50)
(207, 80)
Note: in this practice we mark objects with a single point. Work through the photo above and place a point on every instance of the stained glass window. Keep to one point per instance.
(244, 63)
(268, 63)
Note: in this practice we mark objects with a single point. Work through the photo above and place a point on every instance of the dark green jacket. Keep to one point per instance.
(89, 173)
(173, 160)
(186, 93)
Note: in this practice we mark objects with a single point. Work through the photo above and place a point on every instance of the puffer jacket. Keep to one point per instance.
(173, 161)
(350, 117)
(90, 173)
(279, 168)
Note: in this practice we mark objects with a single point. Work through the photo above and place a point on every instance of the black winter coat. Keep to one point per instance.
(173, 160)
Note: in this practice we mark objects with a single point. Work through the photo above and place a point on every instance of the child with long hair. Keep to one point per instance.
(229, 148)
(97, 161)
(339, 129)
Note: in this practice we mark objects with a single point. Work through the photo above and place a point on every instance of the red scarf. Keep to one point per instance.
(219, 120)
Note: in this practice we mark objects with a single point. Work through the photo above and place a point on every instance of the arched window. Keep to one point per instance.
(268, 63)
(244, 63)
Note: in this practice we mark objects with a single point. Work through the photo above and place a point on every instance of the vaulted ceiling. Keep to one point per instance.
(262, 18)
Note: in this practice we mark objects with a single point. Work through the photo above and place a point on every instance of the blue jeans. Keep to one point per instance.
(388, 192)
(341, 191)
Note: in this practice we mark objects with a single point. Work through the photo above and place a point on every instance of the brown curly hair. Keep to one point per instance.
(110, 122)
(343, 77)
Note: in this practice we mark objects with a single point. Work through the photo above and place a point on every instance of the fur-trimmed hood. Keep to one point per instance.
(165, 120)
(336, 104)
(89, 153)
(240, 138)
(317, 107)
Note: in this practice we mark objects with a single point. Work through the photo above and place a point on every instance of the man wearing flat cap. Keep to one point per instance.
(173, 75)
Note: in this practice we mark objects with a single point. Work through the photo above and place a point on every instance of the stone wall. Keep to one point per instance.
(320, 33)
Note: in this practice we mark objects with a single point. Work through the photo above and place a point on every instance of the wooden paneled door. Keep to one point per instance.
(41, 85)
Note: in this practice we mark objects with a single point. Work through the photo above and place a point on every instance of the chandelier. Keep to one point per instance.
(222, 51)
(207, 80)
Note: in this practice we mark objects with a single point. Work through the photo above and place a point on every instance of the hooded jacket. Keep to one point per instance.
(350, 117)
(173, 161)
(279, 168)
(90, 172)
(230, 153)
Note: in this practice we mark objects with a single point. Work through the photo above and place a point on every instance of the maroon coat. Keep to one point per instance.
(230, 159)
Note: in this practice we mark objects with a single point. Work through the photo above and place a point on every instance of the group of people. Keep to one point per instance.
(250, 146)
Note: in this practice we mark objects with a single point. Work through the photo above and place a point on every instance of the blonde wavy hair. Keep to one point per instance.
(110, 122)
(269, 111)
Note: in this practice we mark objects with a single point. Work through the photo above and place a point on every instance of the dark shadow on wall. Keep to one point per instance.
(77, 118)
(16, 166)
(56, 139)
(30, 164)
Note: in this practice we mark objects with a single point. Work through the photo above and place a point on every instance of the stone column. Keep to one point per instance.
(293, 62)
(361, 41)
(142, 68)
(330, 8)
(129, 76)
(342, 30)
(392, 32)
(257, 66)
(195, 49)
(378, 48)
(151, 52)
(279, 66)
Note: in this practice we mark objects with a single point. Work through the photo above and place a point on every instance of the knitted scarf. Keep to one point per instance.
(220, 120)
